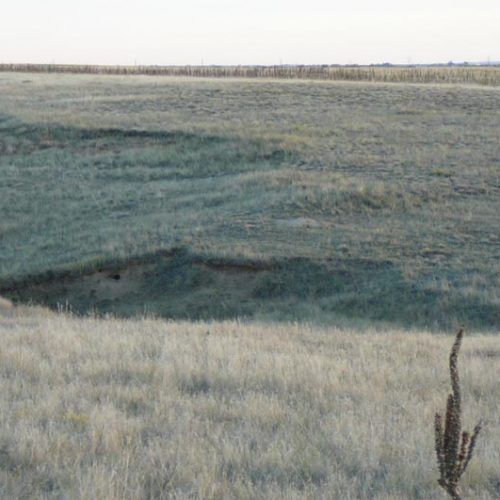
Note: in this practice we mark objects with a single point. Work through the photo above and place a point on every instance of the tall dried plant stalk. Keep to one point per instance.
(454, 448)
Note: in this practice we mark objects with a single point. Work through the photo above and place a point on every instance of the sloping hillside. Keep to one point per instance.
(359, 199)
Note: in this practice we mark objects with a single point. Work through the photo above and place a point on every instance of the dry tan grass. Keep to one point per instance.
(149, 409)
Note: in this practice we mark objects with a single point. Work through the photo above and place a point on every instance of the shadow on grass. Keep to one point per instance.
(38, 134)
(180, 285)
(24, 138)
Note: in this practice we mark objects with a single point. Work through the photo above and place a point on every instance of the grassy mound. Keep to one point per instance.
(378, 201)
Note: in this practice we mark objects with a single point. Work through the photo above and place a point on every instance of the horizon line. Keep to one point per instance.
(316, 65)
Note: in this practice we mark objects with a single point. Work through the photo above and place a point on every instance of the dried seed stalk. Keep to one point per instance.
(454, 448)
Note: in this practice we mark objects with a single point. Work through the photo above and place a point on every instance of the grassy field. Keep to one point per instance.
(305, 241)
(114, 409)
(273, 199)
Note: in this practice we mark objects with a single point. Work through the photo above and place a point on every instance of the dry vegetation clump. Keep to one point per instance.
(454, 448)
(142, 408)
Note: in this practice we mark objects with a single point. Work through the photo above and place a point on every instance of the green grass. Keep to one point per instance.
(374, 201)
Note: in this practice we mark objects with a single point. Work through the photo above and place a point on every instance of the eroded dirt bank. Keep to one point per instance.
(179, 285)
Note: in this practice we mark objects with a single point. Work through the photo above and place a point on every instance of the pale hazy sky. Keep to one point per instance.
(248, 32)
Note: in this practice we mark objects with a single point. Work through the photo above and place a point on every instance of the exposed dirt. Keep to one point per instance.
(5, 305)
(179, 285)
(155, 284)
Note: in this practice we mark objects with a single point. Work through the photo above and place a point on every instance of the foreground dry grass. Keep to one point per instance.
(148, 409)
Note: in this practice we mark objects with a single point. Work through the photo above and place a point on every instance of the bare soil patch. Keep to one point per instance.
(177, 284)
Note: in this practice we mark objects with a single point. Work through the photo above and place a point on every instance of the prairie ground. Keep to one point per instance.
(301, 244)
(360, 200)
(129, 409)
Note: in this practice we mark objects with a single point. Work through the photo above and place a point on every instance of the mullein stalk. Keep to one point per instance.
(454, 448)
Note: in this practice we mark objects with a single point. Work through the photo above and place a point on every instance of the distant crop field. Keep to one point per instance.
(480, 75)
(272, 199)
